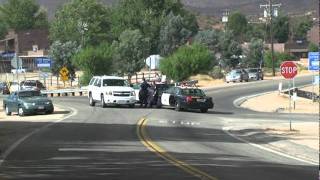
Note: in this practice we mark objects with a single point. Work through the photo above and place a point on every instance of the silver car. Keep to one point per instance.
(255, 73)
(237, 75)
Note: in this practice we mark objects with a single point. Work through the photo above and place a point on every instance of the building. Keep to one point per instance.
(28, 45)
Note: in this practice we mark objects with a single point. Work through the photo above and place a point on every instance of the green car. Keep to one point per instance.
(27, 102)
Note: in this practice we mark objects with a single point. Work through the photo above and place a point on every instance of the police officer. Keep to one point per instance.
(144, 93)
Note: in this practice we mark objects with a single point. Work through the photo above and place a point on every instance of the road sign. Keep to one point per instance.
(43, 62)
(313, 61)
(288, 69)
(64, 74)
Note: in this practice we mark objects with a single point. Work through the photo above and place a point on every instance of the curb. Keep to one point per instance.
(273, 149)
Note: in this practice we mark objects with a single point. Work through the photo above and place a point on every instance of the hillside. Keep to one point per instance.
(216, 7)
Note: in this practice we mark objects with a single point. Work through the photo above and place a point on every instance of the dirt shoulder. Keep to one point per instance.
(275, 102)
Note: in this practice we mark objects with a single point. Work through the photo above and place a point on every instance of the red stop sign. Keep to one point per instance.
(288, 69)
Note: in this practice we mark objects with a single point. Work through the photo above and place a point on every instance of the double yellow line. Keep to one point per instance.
(152, 146)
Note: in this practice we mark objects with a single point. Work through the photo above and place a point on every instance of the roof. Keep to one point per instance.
(109, 77)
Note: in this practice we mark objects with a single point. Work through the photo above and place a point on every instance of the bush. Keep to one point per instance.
(85, 79)
(187, 61)
(216, 73)
(278, 59)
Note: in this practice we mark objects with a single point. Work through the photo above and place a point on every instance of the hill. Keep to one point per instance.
(216, 7)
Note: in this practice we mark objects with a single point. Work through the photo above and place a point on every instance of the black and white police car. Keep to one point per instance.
(184, 98)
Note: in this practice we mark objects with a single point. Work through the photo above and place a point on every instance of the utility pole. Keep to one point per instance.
(271, 10)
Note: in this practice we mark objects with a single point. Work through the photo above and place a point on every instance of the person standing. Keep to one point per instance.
(143, 94)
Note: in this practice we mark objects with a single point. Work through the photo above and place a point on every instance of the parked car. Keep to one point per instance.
(27, 102)
(237, 75)
(186, 98)
(110, 90)
(32, 85)
(255, 73)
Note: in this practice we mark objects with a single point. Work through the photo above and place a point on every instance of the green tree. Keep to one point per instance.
(300, 27)
(3, 29)
(209, 38)
(23, 15)
(94, 61)
(149, 16)
(62, 54)
(86, 22)
(257, 31)
(230, 50)
(279, 58)
(238, 23)
(281, 29)
(254, 54)
(173, 34)
(130, 52)
(313, 47)
(187, 61)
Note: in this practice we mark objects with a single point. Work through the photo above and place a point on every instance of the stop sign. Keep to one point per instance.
(288, 69)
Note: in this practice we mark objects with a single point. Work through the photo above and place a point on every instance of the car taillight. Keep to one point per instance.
(189, 99)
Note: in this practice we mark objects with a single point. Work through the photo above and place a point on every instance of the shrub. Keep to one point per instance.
(216, 73)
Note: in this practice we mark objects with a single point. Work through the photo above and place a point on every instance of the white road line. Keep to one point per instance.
(17, 143)
(226, 130)
(84, 149)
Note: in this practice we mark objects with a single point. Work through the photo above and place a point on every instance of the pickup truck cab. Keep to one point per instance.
(110, 90)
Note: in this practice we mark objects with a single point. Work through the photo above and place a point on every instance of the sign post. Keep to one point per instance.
(64, 75)
(313, 65)
(289, 70)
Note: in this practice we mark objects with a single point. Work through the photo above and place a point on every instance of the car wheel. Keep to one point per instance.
(103, 104)
(177, 106)
(204, 110)
(261, 78)
(20, 111)
(131, 105)
(227, 81)
(247, 80)
(8, 113)
(49, 112)
(91, 101)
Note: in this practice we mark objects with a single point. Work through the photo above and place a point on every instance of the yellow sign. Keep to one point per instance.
(64, 74)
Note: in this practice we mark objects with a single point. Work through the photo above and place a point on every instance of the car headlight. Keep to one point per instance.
(47, 103)
(132, 93)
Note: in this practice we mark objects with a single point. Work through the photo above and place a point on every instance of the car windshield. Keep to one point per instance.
(115, 82)
(235, 71)
(26, 94)
(29, 84)
(253, 70)
(192, 92)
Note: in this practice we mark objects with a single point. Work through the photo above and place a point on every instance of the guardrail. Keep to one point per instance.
(65, 92)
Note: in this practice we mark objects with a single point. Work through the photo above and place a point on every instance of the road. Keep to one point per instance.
(123, 143)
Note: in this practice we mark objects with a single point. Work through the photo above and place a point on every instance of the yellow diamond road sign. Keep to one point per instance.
(64, 74)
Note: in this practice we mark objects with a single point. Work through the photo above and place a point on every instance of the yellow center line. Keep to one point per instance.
(152, 146)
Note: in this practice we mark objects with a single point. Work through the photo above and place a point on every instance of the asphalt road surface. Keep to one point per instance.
(124, 143)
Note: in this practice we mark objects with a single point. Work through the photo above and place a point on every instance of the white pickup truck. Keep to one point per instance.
(110, 90)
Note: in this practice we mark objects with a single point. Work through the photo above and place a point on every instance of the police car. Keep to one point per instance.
(184, 98)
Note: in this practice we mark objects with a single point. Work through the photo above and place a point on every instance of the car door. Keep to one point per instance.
(96, 90)
(165, 98)
(12, 102)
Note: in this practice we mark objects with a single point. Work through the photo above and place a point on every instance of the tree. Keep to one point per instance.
(300, 27)
(209, 38)
(281, 29)
(23, 15)
(254, 54)
(130, 52)
(85, 22)
(257, 31)
(62, 54)
(94, 61)
(230, 50)
(173, 34)
(238, 23)
(149, 16)
(313, 47)
(279, 58)
(187, 61)
(3, 29)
